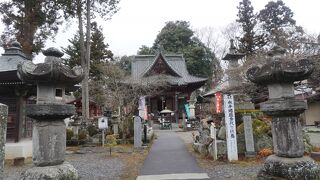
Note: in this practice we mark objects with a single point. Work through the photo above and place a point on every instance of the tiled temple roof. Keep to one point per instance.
(143, 64)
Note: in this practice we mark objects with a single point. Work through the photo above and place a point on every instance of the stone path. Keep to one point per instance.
(169, 159)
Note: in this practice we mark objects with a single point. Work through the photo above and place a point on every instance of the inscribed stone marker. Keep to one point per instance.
(248, 133)
(137, 132)
(230, 122)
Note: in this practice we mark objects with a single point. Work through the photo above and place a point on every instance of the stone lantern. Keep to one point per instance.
(288, 161)
(233, 57)
(49, 129)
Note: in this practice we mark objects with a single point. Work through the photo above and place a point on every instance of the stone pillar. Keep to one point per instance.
(115, 128)
(248, 134)
(75, 129)
(3, 134)
(137, 132)
(49, 142)
(192, 109)
(184, 122)
(213, 135)
(286, 128)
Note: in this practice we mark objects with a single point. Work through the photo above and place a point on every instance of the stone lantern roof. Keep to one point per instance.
(52, 70)
(233, 55)
(277, 70)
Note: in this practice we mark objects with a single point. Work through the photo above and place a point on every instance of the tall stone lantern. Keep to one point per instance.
(278, 74)
(233, 57)
(49, 129)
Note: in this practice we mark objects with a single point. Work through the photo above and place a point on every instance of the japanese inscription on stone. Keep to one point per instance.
(228, 103)
(248, 133)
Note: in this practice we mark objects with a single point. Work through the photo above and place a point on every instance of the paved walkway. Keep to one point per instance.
(169, 159)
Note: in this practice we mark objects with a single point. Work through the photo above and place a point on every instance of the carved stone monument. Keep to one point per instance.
(49, 129)
(137, 132)
(3, 133)
(288, 161)
(248, 134)
(246, 107)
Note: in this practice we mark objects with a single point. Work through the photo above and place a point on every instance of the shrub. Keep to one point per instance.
(82, 135)
(92, 130)
(69, 134)
(259, 127)
(111, 140)
(265, 152)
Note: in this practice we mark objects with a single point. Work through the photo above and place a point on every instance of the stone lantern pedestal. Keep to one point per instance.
(289, 161)
(49, 129)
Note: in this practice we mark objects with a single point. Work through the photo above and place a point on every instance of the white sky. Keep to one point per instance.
(139, 21)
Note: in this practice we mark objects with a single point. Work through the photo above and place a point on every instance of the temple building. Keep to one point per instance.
(170, 71)
(15, 94)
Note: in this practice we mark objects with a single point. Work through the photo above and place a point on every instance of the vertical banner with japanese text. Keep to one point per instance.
(218, 102)
(143, 108)
(230, 122)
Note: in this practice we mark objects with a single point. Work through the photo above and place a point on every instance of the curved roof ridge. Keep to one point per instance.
(165, 60)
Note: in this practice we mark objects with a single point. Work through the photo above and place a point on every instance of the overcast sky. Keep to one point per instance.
(139, 21)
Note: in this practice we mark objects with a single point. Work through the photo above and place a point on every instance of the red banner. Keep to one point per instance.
(218, 102)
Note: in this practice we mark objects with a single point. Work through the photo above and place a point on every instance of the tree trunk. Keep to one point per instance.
(30, 27)
(87, 58)
(82, 59)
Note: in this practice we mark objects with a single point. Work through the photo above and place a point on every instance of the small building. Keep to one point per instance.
(312, 114)
(15, 94)
(95, 110)
(169, 69)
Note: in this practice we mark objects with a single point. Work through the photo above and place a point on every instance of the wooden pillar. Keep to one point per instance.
(20, 118)
(176, 107)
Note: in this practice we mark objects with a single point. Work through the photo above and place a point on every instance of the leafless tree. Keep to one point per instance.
(121, 93)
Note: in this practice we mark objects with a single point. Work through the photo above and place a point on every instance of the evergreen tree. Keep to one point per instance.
(31, 22)
(124, 63)
(99, 59)
(277, 20)
(145, 50)
(276, 15)
(250, 41)
(99, 56)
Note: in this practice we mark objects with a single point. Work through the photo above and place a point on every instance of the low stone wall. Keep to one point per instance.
(205, 145)
(263, 141)
(20, 149)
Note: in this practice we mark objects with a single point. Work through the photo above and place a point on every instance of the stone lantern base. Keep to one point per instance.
(289, 168)
(60, 172)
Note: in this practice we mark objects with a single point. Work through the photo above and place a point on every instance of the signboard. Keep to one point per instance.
(103, 123)
(218, 102)
(230, 122)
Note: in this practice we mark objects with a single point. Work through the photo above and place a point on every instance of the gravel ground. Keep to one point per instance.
(232, 171)
(13, 172)
(92, 163)
(219, 170)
